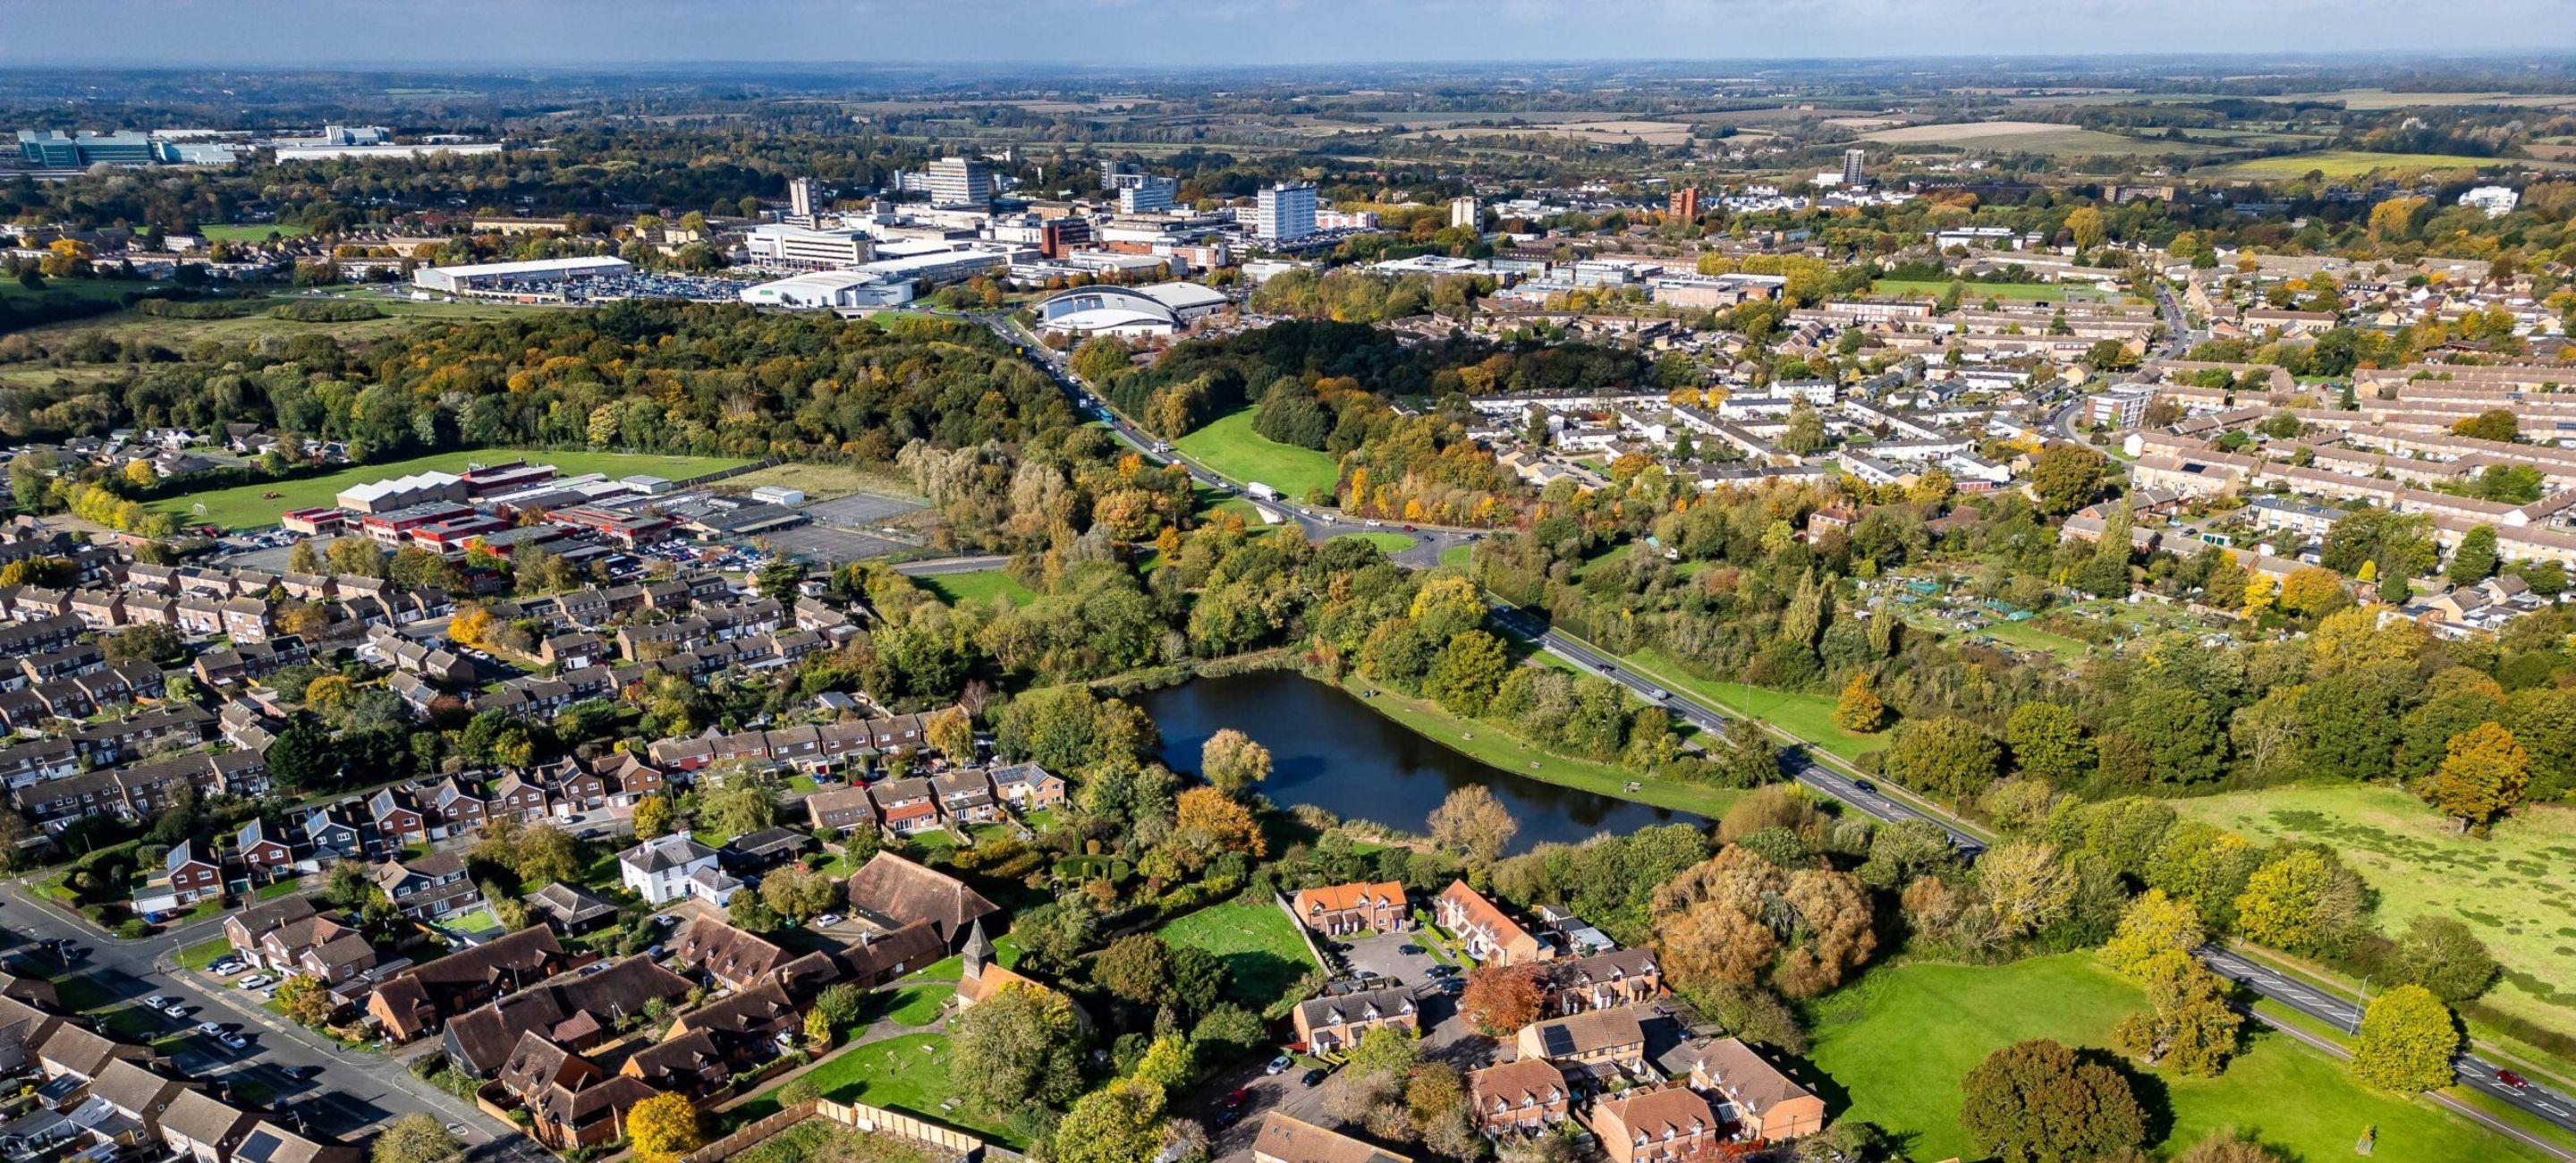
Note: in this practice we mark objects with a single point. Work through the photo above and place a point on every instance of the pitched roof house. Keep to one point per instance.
(891, 892)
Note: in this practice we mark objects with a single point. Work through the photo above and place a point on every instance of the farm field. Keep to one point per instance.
(2383, 99)
(979, 588)
(400, 316)
(1230, 446)
(2512, 888)
(1257, 942)
(1897, 1042)
(2027, 137)
(244, 507)
(2342, 163)
(1602, 132)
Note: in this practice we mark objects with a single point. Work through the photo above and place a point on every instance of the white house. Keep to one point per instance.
(674, 866)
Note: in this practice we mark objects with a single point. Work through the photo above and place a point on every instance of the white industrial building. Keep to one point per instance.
(1160, 309)
(1284, 212)
(535, 277)
(807, 248)
(861, 289)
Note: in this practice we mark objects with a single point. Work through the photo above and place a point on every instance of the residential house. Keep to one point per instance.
(268, 1142)
(730, 956)
(1028, 787)
(1334, 1023)
(1752, 1095)
(1337, 910)
(890, 892)
(1283, 1139)
(909, 807)
(258, 848)
(200, 1128)
(425, 996)
(188, 877)
(667, 868)
(1519, 1098)
(1491, 936)
(1595, 1043)
(245, 927)
(844, 810)
(572, 909)
(78, 1052)
(571, 1101)
(137, 1095)
(430, 888)
(1602, 981)
(398, 817)
(319, 947)
(580, 1011)
(966, 797)
(766, 848)
(879, 957)
(1658, 1126)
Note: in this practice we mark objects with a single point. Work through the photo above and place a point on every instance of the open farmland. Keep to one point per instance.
(1601, 132)
(2345, 163)
(2028, 137)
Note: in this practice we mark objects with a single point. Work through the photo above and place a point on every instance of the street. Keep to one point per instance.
(347, 1094)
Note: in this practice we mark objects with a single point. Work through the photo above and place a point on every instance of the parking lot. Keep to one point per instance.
(831, 545)
(1384, 956)
(861, 509)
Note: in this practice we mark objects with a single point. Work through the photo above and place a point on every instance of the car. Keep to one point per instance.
(1866, 786)
(1408, 528)
(666, 920)
(1409, 950)
(156, 1001)
(1438, 971)
(175, 1009)
(457, 1129)
(300, 1073)
(1279, 1065)
(1312, 1077)
(1226, 1117)
(234, 1042)
(825, 921)
(1374, 523)
(254, 981)
(210, 1029)
(1237, 1097)
(2509, 1078)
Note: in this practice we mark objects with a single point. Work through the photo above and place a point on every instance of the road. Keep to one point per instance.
(351, 1094)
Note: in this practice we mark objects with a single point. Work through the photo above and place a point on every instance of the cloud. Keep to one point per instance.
(326, 33)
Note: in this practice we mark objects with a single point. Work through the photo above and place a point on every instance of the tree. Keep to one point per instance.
(2066, 477)
(1136, 969)
(798, 894)
(143, 644)
(2047, 742)
(1233, 762)
(1168, 1062)
(1467, 671)
(1020, 1046)
(952, 731)
(306, 1000)
(663, 1128)
(2084, 225)
(738, 801)
(1117, 1123)
(1501, 999)
(2039, 1102)
(2154, 924)
(748, 912)
(2481, 778)
(2444, 956)
(2407, 1040)
(2476, 558)
(2299, 902)
(1858, 710)
(818, 1031)
(2228, 1145)
(1221, 819)
(413, 1138)
(652, 817)
(2497, 424)
(1947, 756)
(2028, 884)
(1472, 823)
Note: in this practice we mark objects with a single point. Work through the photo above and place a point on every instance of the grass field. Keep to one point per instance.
(1896, 1044)
(1979, 292)
(1254, 939)
(2029, 637)
(205, 953)
(1230, 446)
(2512, 888)
(245, 508)
(251, 231)
(1809, 717)
(979, 588)
(1460, 556)
(822, 482)
(911, 1005)
(2341, 163)
(401, 315)
(2029, 137)
(1496, 747)
(909, 1074)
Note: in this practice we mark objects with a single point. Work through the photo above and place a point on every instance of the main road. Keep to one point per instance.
(1830, 775)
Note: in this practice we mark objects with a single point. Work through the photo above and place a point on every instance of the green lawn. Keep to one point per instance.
(1006, 949)
(205, 953)
(909, 1074)
(912, 1005)
(2342, 163)
(270, 892)
(251, 232)
(246, 508)
(1254, 939)
(1980, 292)
(1807, 716)
(1896, 1044)
(1230, 446)
(1387, 543)
(979, 588)
(2512, 888)
(1496, 746)
(1459, 555)
(2029, 637)
(82, 994)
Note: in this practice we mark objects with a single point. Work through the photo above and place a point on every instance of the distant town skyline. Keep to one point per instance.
(518, 33)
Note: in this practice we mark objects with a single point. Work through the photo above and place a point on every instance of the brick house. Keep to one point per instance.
(1519, 1098)
(843, 809)
(1283, 1139)
(1336, 910)
(1333, 1024)
(1602, 981)
(1595, 1043)
(191, 878)
(1752, 1095)
(1491, 936)
(1656, 1127)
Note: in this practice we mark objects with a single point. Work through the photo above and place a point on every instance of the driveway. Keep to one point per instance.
(1383, 956)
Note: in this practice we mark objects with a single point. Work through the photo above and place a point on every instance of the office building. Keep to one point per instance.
(960, 181)
(54, 149)
(1285, 212)
(1684, 204)
(800, 201)
(1463, 212)
(1853, 161)
(807, 248)
(829, 289)
(1145, 193)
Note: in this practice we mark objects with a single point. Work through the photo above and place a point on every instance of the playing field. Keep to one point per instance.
(1230, 446)
(2342, 163)
(979, 588)
(1979, 292)
(248, 506)
(1896, 1044)
(2512, 888)
(251, 232)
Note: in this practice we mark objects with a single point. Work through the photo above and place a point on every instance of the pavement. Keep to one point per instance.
(352, 1094)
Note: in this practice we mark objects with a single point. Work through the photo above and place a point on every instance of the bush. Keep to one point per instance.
(133, 929)
(325, 311)
(189, 309)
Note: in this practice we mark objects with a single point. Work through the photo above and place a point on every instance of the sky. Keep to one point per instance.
(520, 33)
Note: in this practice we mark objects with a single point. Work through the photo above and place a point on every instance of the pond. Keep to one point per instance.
(1329, 749)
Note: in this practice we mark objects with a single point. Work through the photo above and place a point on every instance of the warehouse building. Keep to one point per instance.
(536, 278)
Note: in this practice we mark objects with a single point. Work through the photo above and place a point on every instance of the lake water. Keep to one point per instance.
(1330, 749)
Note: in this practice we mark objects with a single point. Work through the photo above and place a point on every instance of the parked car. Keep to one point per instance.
(234, 1042)
(1279, 1065)
(1237, 1097)
(1312, 1077)
(254, 981)
(210, 1029)
(156, 1001)
(825, 921)
(175, 1009)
